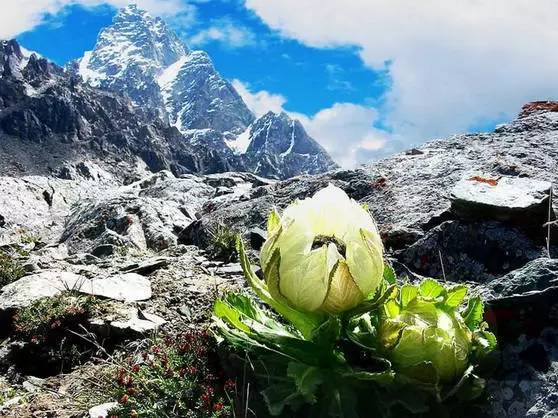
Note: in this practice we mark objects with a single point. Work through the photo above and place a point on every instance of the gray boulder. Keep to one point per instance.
(536, 275)
(517, 199)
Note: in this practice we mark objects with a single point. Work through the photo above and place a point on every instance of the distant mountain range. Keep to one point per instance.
(141, 100)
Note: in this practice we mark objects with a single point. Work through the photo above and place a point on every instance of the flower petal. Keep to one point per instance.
(343, 292)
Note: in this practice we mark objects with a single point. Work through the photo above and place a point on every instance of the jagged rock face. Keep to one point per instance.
(129, 55)
(197, 97)
(51, 122)
(279, 147)
(139, 56)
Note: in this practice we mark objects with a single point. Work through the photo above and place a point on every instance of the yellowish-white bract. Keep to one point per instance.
(324, 254)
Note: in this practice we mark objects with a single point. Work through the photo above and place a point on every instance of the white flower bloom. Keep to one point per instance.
(324, 254)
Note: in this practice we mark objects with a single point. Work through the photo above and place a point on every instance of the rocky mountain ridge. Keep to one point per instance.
(139, 56)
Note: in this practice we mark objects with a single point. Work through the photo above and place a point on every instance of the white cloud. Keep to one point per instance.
(22, 15)
(259, 102)
(453, 64)
(345, 130)
(227, 32)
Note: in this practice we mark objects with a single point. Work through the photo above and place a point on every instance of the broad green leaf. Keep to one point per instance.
(328, 333)
(241, 313)
(382, 378)
(362, 332)
(304, 322)
(224, 310)
(408, 293)
(474, 312)
(307, 379)
(392, 308)
(430, 288)
(389, 274)
(341, 402)
(281, 395)
(371, 305)
(456, 295)
(486, 340)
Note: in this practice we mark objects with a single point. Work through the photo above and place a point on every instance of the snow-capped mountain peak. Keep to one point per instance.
(138, 55)
(141, 57)
(280, 147)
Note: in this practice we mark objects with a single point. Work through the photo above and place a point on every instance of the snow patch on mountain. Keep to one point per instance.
(240, 144)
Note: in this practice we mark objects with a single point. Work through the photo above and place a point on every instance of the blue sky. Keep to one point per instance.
(366, 78)
(309, 78)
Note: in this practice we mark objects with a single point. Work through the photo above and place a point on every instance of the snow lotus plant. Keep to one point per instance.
(345, 339)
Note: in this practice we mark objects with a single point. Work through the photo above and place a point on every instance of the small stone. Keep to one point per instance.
(233, 268)
(33, 384)
(148, 266)
(102, 411)
(184, 310)
(31, 267)
(104, 250)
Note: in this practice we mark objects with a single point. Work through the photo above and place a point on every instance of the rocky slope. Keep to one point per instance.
(139, 56)
(80, 208)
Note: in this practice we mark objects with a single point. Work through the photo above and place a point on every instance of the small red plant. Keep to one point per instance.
(176, 376)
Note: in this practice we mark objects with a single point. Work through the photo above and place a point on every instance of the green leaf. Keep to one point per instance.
(408, 293)
(280, 395)
(273, 221)
(307, 379)
(382, 378)
(389, 274)
(328, 333)
(392, 308)
(430, 288)
(369, 305)
(456, 295)
(267, 333)
(362, 332)
(224, 310)
(304, 322)
(474, 312)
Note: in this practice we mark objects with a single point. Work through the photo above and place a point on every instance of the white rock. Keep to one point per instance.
(101, 411)
(503, 198)
(129, 287)
(28, 289)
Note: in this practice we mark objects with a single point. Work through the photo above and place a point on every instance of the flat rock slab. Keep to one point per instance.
(128, 287)
(504, 198)
(28, 289)
(102, 411)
